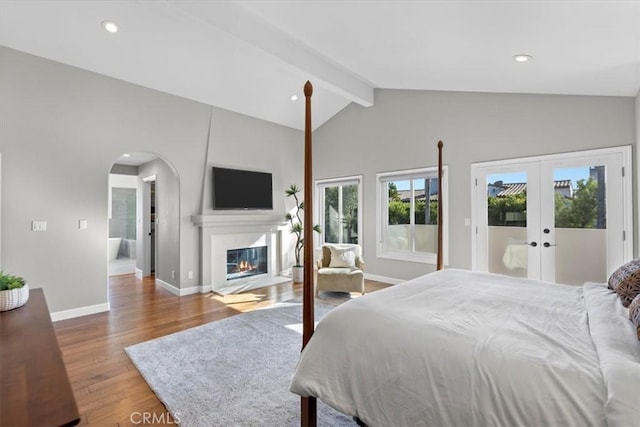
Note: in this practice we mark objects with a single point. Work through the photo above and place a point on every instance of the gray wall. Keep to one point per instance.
(61, 130)
(167, 256)
(244, 144)
(402, 129)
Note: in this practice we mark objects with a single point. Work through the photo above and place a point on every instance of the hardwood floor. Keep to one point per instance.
(108, 389)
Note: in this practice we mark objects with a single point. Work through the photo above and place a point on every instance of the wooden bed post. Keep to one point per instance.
(308, 404)
(439, 261)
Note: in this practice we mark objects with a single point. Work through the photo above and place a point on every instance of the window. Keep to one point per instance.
(408, 214)
(339, 209)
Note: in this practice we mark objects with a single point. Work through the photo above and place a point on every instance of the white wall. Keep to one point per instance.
(403, 127)
(62, 129)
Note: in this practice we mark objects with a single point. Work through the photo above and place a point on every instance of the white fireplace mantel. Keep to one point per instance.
(223, 231)
(239, 219)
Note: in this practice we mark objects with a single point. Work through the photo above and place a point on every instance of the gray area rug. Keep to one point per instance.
(233, 372)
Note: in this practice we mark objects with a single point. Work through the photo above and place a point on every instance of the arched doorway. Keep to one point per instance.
(155, 224)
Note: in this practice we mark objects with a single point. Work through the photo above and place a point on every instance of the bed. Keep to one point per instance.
(462, 348)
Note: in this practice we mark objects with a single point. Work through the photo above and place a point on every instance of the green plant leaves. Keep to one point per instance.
(8, 281)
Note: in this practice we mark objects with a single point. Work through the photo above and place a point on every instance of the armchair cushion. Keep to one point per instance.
(342, 257)
(327, 259)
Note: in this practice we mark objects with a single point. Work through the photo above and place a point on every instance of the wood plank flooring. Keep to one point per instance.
(108, 388)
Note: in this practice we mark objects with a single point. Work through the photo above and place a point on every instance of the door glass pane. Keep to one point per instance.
(349, 214)
(425, 191)
(341, 214)
(580, 225)
(507, 223)
(398, 233)
(331, 215)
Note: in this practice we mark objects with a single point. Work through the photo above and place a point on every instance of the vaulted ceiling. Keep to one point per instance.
(253, 56)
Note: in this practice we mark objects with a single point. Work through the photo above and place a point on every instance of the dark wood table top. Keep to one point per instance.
(34, 386)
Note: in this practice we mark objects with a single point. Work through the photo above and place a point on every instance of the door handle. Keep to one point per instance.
(534, 244)
(547, 244)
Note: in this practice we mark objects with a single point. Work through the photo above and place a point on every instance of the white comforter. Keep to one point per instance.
(459, 348)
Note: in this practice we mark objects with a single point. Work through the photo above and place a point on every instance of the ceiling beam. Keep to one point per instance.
(250, 28)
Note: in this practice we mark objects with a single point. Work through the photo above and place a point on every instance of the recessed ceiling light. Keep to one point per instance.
(522, 58)
(110, 26)
(294, 97)
(126, 155)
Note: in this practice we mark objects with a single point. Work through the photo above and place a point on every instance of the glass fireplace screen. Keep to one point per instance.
(246, 262)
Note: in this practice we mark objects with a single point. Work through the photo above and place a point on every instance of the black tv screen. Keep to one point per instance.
(241, 189)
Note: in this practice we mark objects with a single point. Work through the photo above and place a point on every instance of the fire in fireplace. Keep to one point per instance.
(246, 262)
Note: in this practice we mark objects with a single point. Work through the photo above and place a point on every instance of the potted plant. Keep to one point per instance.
(296, 228)
(14, 291)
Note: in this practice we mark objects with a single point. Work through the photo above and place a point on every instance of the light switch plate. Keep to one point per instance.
(83, 224)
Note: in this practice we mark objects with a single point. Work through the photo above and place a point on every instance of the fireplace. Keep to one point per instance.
(220, 233)
(246, 262)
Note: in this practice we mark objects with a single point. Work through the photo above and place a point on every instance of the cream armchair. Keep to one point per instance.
(340, 269)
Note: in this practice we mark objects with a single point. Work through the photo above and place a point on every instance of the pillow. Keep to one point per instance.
(626, 281)
(342, 257)
(634, 314)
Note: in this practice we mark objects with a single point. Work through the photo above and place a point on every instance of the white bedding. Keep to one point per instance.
(460, 348)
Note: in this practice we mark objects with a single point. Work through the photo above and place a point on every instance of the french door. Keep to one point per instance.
(339, 209)
(562, 218)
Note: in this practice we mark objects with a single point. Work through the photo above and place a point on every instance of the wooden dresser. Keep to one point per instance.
(34, 386)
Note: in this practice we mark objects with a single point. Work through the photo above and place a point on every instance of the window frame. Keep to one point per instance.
(382, 221)
(320, 186)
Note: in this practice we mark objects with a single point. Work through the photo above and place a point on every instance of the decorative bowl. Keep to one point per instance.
(14, 298)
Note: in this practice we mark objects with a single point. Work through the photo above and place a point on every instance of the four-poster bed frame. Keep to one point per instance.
(309, 404)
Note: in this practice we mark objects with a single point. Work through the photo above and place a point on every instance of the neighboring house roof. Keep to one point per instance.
(513, 188)
(565, 183)
(405, 195)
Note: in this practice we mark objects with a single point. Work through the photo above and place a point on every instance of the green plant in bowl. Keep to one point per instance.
(9, 281)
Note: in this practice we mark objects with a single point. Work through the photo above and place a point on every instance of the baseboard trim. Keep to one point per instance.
(383, 279)
(78, 312)
(191, 290)
(179, 291)
(168, 286)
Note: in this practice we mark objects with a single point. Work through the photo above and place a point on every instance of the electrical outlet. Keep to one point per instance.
(38, 225)
(190, 275)
(173, 274)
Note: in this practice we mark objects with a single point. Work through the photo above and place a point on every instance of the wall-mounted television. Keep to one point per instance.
(241, 189)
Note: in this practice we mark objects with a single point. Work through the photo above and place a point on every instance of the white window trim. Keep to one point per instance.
(381, 215)
(321, 184)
